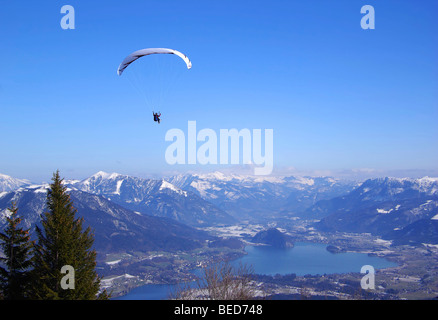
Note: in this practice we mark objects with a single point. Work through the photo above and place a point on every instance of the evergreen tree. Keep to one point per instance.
(63, 242)
(17, 248)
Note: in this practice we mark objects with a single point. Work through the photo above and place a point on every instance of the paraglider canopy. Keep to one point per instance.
(144, 52)
(154, 77)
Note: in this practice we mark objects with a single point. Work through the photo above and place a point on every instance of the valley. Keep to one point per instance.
(414, 277)
(163, 231)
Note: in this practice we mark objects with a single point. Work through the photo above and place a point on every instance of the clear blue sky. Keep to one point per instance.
(338, 97)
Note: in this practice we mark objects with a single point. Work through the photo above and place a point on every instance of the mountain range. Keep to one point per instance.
(154, 197)
(115, 228)
(261, 198)
(402, 210)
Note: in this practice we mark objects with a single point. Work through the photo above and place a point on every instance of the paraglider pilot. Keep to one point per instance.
(156, 116)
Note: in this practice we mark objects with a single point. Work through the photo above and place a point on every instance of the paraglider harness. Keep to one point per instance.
(156, 116)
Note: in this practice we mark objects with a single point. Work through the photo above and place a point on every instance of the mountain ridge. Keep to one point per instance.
(115, 227)
(388, 207)
(8, 183)
(254, 197)
(155, 197)
(379, 206)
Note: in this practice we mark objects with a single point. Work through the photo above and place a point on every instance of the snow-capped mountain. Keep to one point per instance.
(250, 197)
(31, 202)
(379, 206)
(403, 210)
(155, 197)
(115, 227)
(8, 183)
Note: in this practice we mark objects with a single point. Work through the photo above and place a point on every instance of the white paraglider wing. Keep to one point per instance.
(144, 52)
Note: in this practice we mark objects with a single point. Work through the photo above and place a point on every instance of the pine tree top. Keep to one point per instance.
(63, 241)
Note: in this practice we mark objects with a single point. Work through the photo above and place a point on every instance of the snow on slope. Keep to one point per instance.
(8, 183)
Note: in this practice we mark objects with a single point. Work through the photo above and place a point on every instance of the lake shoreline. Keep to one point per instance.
(252, 245)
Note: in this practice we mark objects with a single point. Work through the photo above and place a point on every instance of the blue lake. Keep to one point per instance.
(307, 258)
(302, 259)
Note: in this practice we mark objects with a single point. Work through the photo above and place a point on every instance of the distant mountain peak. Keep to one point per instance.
(167, 185)
(106, 175)
(8, 183)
